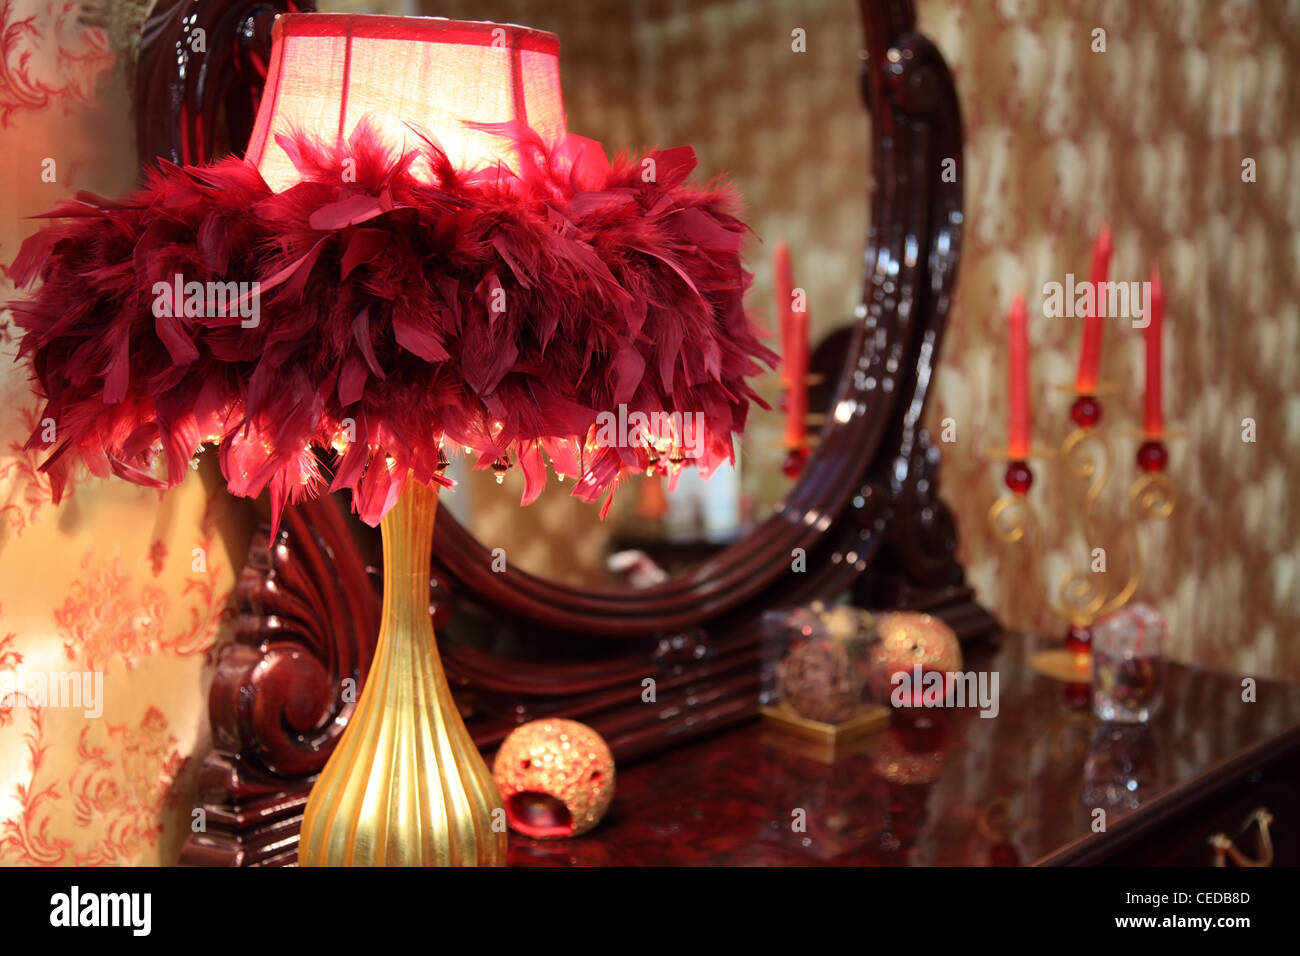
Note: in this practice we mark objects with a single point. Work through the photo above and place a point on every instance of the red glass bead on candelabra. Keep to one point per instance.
(1018, 477)
(792, 464)
(1004, 854)
(1153, 456)
(1086, 411)
(1078, 639)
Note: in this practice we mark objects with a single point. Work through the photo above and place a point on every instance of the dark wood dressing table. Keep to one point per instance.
(965, 791)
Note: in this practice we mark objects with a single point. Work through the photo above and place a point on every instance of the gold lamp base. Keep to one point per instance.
(406, 786)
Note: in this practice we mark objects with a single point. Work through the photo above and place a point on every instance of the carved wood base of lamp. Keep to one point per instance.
(406, 786)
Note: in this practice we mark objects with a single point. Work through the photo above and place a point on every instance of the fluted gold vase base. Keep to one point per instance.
(406, 786)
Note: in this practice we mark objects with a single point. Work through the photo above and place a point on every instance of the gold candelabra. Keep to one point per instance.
(1083, 596)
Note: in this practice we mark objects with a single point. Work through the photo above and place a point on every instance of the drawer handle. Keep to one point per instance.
(1224, 847)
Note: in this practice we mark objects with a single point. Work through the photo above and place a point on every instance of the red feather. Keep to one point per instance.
(498, 311)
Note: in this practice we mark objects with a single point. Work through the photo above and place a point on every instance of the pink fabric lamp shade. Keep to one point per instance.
(328, 72)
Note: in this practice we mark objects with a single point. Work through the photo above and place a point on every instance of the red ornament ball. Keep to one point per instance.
(1086, 411)
(1018, 477)
(1153, 456)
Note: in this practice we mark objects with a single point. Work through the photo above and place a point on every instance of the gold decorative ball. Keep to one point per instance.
(556, 778)
(908, 639)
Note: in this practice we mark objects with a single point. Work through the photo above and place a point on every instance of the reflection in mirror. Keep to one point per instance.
(654, 529)
(791, 141)
(651, 532)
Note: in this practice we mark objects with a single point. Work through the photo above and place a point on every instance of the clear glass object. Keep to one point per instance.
(1128, 665)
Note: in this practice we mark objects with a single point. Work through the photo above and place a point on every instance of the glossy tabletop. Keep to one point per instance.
(940, 786)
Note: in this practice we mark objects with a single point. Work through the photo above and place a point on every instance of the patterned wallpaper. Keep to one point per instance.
(1149, 135)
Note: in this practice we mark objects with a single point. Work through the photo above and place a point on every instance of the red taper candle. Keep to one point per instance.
(797, 364)
(782, 284)
(1018, 381)
(1085, 383)
(1153, 419)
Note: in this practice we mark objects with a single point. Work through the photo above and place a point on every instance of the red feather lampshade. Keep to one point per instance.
(434, 262)
(331, 72)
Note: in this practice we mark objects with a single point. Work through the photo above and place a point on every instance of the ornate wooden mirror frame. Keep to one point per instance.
(865, 512)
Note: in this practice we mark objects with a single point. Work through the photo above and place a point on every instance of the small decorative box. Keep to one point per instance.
(816, 673)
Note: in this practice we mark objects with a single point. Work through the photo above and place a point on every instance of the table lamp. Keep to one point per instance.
(413, 259)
